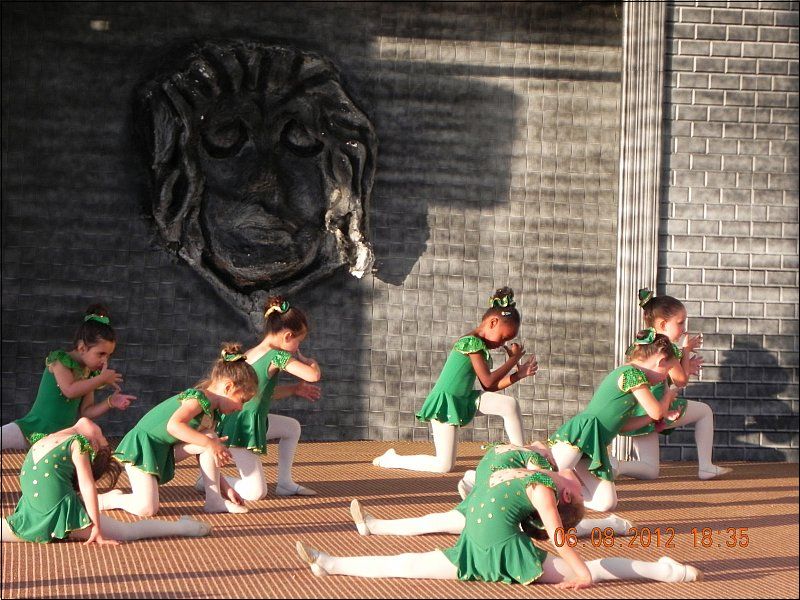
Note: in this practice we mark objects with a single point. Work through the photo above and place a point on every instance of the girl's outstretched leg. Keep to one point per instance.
(649, 457)
(556, 570)
(143, 499)
(445, 439)
(701, 415)
(287, 430)
(492, 403)
(424, 565)
(447, 522)
(140, 530)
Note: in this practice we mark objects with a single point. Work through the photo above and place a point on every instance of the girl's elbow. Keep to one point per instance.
(315, 377)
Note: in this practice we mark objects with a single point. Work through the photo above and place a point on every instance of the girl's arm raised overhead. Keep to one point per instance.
(73, 388)
(490, 380)
(86, 484)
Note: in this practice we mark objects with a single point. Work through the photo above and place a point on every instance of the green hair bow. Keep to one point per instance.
(643, 337)
(281, 308)
(231, 357)
(503, 302)
(645, 295)
(98, 318)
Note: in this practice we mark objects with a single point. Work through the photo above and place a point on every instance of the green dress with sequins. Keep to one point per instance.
(247, 428)
(592, 430)
(52, 411)
(50, 507)
(658, 390)
(150, 447)
(492, 461)
(453, 399)
(492, 547)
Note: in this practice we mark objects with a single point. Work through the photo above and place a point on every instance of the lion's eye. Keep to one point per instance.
(224, 138)
(299, 139)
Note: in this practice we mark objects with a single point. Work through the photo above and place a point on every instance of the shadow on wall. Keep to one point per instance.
(754, 381)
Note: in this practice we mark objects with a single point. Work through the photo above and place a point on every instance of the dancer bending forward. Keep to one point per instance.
(56, 468)
(453, 402)
(493, 547)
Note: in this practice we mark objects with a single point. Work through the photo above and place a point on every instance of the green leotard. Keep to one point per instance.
(658, 391)
(150, 447)
(592, 430)
(492, 547)
(50, 507)
(52, 411)
(453, 399)
(247, 428)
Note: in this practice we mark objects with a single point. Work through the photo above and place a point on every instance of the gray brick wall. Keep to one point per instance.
(729, 222)
(498, 128)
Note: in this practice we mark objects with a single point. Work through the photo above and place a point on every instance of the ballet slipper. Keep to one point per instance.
(199, 485)
(195, 528)
(295, 489)
(359, 517)
(309, 555)
(683, 573)
(622, 526)
(715, 471)
(377, 460)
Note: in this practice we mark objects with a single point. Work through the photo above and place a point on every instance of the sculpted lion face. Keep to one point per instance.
(261, 166)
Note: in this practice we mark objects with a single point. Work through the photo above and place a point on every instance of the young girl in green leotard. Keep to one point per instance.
(493, 547)
(182, 426)
(248, 430)
(453, 402)
(581, 443)
(57, 467)
(667, 315)
(69, 381)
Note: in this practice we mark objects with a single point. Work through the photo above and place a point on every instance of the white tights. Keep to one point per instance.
(143, 499)
(252, 484)
(453, 522)
(648, 451)
(117, 530)
(445, 437)
(11, 438)
(598, 494)
(435, 565)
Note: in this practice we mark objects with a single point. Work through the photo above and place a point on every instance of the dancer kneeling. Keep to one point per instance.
(493, 547)
(56, 468)
(453, 402)
(182, 426)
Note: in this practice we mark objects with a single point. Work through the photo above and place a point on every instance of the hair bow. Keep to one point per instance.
(645, 295)
(281, 308)
(98, 318)
(504, 302)
(231, 357)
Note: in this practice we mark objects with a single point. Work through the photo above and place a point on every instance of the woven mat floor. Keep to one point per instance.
(252, 555)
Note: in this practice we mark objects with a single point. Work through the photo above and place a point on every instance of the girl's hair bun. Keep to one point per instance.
(645, 295)
(232, 348)
(101, 310)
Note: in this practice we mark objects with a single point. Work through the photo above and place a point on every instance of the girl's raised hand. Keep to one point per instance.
(96, 537)
(694, 364)
(529, 368)
(120, 401)
(308, 391)
(109, 376)
(693, 342)
(514, 350)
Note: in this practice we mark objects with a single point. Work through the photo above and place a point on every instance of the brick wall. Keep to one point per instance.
(497, 164)
(729, 223)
